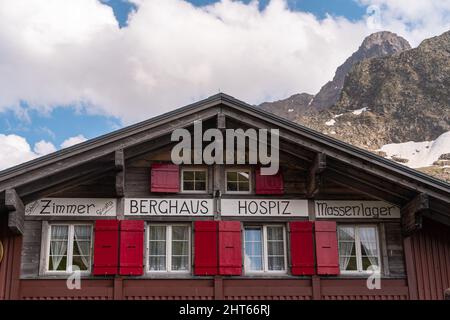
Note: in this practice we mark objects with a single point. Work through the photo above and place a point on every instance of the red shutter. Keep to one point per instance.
(165, 178)
(230, 248)
(131, 247)
(205, 248)
(269, 184)
(302, 247)
(326, 248)
(106, 250)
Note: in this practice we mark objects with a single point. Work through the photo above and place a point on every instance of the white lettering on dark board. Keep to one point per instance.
(169, 207)
(356, 209)
(71, 207)
(256, 207)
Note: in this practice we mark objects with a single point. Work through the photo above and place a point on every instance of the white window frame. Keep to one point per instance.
(250, 178)
(205, 170)
(360, 270)
(265, 251)
(70, 243)
(168, 227)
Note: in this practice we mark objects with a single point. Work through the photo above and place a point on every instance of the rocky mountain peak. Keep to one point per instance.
(379, 44)
(385, 42)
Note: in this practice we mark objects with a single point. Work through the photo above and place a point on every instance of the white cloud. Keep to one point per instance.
(416, 20)
(15, 150)
(73, 141)
(43, 147)
(172, 53)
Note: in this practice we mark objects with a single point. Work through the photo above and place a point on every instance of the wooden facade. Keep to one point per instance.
(414, 249)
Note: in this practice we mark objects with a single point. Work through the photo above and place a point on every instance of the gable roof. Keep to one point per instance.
(234, 104)
(231, 102)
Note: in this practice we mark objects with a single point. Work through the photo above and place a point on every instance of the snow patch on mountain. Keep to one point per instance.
(419, 154)
(359, 111)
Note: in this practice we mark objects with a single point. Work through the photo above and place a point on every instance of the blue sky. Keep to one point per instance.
(65, 122)
(71, 51)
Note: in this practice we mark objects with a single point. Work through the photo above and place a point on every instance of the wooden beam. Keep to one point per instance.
(120, 174)
(314, 179)
(64, 179)
(221, 121)
(362, 186)
(412, 212)
(119, 160)
(16, 211)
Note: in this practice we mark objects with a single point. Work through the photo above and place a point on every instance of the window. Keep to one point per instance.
(358, 248)
(168, 248)
(70, 247)
(238, 181)
(194, 180)
(265, 249)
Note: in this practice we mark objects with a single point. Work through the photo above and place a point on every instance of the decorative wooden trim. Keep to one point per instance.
(221, 121)
(314, 180)
(16, 211)
(119, 163)
(411, 214)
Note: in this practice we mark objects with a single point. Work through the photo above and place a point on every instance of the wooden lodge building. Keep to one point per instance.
(137, 226)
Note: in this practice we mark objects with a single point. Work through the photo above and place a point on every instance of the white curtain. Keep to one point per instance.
(83, 242)
(346, 244)
(157, 247)
(369, 242)
(58, 245)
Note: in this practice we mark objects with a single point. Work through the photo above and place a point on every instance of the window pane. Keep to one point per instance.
(82, 232)
(231, 176)
(244, 186)
(57, 263)
(82, 262)
(368, 241)
(188, 186)
(157, 248)
(180, 263)
(348, 263)
(58, 248)
(253, 249)
(243, 176)
(369, 247)
(369, 261)
(254, 234)
(180, 248)
(276, 263)
(255, 263)
(200, 186)
(200, 175)
(232, 186)
(180, 233)
(157, 263)
(346, 233)
(275, 248)
(157, 233)
(188, 175)
(347, 248)
(275, 233)
(59, 232)
(82, 247)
